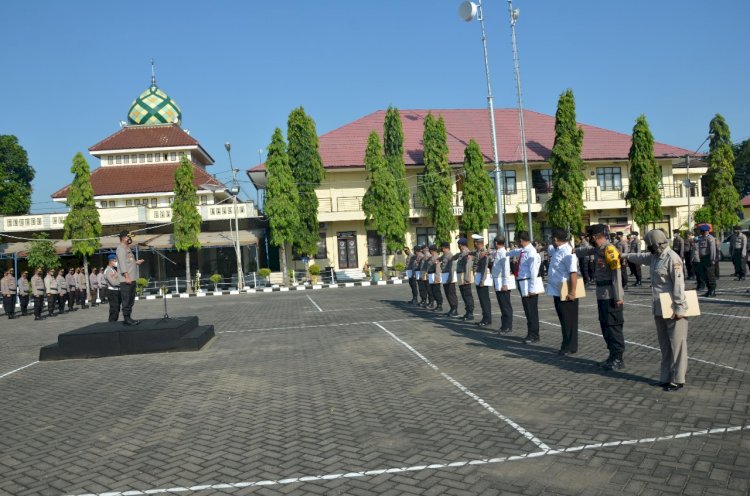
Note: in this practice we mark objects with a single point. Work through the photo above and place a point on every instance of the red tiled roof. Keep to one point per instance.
(746, 201)
(345, 146)
(162, 135)
(131, 179)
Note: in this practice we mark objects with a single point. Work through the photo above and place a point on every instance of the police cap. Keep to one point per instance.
(462, 242)
(445, 244)
(433, 248)
(705, 228)
(597, 229)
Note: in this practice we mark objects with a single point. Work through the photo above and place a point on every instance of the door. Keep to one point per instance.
(347, 248)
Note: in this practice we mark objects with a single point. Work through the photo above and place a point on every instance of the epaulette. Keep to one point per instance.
(612, 257)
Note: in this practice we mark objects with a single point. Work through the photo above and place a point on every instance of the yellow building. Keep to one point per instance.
(347, 243)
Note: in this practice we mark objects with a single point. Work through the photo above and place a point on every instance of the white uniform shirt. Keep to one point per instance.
(501, 270)
(528, 267)
(561, 263)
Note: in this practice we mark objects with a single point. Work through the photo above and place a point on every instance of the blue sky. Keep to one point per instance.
(71, 69)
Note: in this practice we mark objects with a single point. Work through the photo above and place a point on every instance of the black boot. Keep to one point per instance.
(710, 294)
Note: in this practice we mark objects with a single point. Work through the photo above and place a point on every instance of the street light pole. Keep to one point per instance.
(235, 191)
(513, 14)
(689, 183)
(468, 12)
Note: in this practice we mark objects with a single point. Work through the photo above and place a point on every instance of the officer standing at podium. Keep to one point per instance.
(37, 291)
(127, 268)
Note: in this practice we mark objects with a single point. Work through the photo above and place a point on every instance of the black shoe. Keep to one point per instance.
(671, 386)
(616, 364)
(482, 323)
(130, 322)
(530, 340)
(438, 308)
(606, 363)
(467, 318)
(700, 288)
(37, 318)
(453, 313)
(411, 302)
(710, 294)
(505, 331)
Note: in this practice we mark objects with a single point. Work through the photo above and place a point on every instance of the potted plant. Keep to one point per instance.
(216, 279)
(314, 273)
(140, 285)
(399, 267)
(264, 273)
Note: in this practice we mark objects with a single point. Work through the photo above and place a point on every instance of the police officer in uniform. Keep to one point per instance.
(622, 247)
(584, 263)
(705, 246)
(449, 285)
(678, 246)
(70, 281)
(62, 291)
(481, 276)
(504, 283)
(738, 252)
(564, 268)
(102, 283)
(38, 291)
(410, 273)
(465, 276)
(50, 287)
(127, 266)
(23, 291)
(424, 289)
(527, 272)
(112, 280)
(418, 275)
(635, 247)
(8, 289)
(433, 273)
(94, 287)
(689, 242)
(667, 276)
(609, 294)
(81, 288)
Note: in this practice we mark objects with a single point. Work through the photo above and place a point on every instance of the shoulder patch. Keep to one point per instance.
(612, 257)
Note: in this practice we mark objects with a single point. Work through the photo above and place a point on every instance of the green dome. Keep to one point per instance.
(153, 106)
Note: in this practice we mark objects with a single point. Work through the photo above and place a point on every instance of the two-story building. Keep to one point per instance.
(347, 242)
(133, 183)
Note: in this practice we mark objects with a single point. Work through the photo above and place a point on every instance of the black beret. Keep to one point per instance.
(433, 247)
(619, 233)
(597, 229)
(445, 244)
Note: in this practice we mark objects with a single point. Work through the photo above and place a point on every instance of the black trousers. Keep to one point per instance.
(583, 263)
(506, 309)
(81, 297)
(38, 304)
(468, 298)
(708, 272)
(624, 277)
(9, 304)
(567, 313)
(739, 266)
(635, 269)
(700, 276)
(413, 286)
(689, 264)
(450, 295)
(72, 299)
(61, 302)
(611, 321)
(24, 299)
(436, 294)
(531, 310)
(483, 292)
(127, 294)
(422, 285)
(103, 292)
(51, 302)
(113, 296)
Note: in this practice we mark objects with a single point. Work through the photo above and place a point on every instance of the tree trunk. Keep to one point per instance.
(282, 260)
(385, 257)
(188, 285)
(86, 272)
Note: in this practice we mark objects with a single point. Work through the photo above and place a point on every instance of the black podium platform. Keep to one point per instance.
(114, 338)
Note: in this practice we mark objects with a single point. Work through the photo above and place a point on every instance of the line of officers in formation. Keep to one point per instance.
(114, 284)
(430, 269)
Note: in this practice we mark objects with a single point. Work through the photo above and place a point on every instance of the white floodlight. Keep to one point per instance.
(467, 11)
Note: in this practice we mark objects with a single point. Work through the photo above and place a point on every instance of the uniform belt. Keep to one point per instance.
(112, 288)
(601, 284)
(523, 279)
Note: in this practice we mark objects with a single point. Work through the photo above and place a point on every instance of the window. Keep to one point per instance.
(509, 179)
(137, 201)
(126, 159)
(142, 158)
(425, 235)
(171, 200)
(613, 221)
(542, 180)
(112, 203)
(609, 178)
(154, 202)
(128, 203)
(104, 204)
(110, 160)
(118, 159)
(150, 157)
(322, 251)
(374, 248)
(173, 156)
(204, 199)
(157, 157)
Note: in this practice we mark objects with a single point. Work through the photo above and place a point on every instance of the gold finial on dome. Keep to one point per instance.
(153, 73)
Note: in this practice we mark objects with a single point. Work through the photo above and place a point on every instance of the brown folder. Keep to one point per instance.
(580, 289)
(691, 297)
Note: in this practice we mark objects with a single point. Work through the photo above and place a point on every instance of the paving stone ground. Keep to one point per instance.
(287, 392)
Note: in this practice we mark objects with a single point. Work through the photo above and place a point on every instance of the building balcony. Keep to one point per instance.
(139, 214)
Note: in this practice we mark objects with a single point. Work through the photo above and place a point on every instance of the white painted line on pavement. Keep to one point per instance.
(18, 369)
(528, 435)
(314, 325)
(313, 302)
(702, 312)
(414, 468)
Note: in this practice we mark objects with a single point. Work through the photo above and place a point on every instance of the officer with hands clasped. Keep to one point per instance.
(465, 276)
(447, 278)
(667, 276)
(482, 279)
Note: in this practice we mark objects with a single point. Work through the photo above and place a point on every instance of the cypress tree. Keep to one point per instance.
(15, 177)
(436, 191)
(479, 206)
(742, 167)
(82, 224)
(393, 145)
(282, 199)
(381, 201)
(307, 168)
(643, 195)
(42, 253)
(723, 199)
(565, 206)
(519, 220)
(185, 216)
